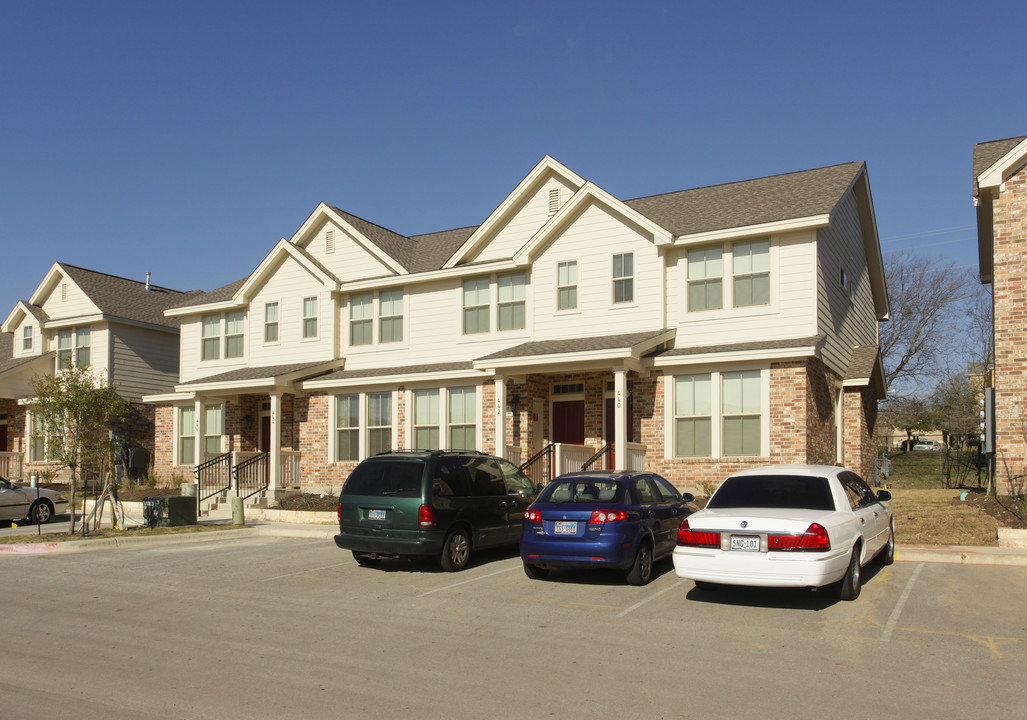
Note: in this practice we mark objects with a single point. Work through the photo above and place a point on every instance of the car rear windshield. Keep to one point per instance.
(385, 478)
(773, 491)
(582, 491)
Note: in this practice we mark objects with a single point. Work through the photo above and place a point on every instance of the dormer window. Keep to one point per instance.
(26, 337)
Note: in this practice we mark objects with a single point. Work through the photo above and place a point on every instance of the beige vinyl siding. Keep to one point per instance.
(143, 361)
(77, 304)
(351, 260)
(791, 312)
(847, 321)
(37, 338)
(524, 221)
(592, 240)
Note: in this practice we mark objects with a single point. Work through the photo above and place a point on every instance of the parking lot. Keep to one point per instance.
(262, 626)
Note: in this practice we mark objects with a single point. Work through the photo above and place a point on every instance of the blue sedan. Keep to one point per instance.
(608, 518)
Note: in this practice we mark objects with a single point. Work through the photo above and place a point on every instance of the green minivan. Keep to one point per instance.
(441, 503)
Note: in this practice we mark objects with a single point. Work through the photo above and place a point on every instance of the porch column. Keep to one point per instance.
(620, 417)
(500, 431)
(275, 460)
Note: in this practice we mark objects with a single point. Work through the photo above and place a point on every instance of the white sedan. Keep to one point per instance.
(37, 504)
(787, 526)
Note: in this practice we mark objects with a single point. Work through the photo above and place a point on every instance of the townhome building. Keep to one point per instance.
(693, 333)
(1000, 197)
(82, 318)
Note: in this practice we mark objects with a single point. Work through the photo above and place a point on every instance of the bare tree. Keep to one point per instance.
(926, 298)
(954, 407)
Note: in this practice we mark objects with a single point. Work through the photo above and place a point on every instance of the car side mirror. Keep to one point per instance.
(687, 497)
(883, 495)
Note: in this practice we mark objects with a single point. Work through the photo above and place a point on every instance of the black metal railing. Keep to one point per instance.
(251, 475)
(602, 460)
(213, 477)
(539, 467)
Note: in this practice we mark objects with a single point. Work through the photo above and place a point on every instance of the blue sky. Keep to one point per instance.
(186, 138)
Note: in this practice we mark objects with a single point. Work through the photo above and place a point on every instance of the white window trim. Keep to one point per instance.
(728, 310)
(363, 427)
(716, 411)
(316, 337)
(264, 322)
(376, 344)
(633, 302)
(444, 424)
(490, 304)
(576, 310)
(176, 428)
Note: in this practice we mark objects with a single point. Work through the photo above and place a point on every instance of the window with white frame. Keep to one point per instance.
(212, 429)
(235, 324)
(510, 308)
(73, 348)
(463, 406)
(82, 347)
(210, 334)
(567, 285)
(64, 350)
(693, 416)
(187, 436)
(390, 316)
(361, 319)
(426, 420)
(705, 279)
(624, 278)
(271, 322)
(741, 395)
(310, 317)
(37, 438)
(26, 337)
(751, 272)
(347, 428)
(476, 306)
(379, 423)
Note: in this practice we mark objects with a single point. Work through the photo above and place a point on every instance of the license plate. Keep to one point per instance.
(563, 527)
(748, 543)
(375, 514)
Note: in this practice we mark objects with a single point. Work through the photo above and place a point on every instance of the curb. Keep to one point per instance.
(962, 554)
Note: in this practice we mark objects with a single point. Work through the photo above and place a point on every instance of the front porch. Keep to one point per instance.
(244, 474)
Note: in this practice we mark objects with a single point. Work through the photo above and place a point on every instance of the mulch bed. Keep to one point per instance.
(1002, 509)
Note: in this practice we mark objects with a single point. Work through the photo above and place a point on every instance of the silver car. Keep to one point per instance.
(37, 504)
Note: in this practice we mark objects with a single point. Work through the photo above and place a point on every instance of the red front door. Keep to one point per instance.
(569, 422)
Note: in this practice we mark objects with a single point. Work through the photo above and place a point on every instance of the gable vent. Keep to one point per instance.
(554, 201)
(64, 291)
(329, 241)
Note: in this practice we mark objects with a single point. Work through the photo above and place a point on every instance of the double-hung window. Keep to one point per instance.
(73, 348)
(361, 319)
(379, 423)
(476, 306)
(567, 285)
(187, 436)
(426, 420)
(511, 292)
(37, 439)
(26, 337)
(310, 317)
(212, 429)
(741, 412)
(705, 279)
(347, 428)
(751, 270)
(64, 351)
(390, 316)
(271, 322)
(463, 405)
(210, 332)
(82, 349)
(624, 278)
(234, 325)
(693, 416)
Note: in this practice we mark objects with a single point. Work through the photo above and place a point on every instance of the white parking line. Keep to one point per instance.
(464, 582)
(886, 636)
(309, 570)
(640, 603)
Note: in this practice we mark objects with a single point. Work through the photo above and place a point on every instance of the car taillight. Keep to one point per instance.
(606, 516)
(697, 538)
(814, 539)
(533, 516)
(425, 516)
(338, 510)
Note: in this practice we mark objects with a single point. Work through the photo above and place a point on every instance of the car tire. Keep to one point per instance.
(706, 586)
(641, 571)
(887, 554)
(41, 512)
(365, 559)
(849, 586)
(535, 572)
(456, 551)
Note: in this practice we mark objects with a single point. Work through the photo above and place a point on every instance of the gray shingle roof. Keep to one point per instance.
(7, 360)
(750, 202)
(861, 364)
(573, 345)
(124, 298)
(225, 292)
(988, 153)
(269, 373)
(388, 371)
(744, 347)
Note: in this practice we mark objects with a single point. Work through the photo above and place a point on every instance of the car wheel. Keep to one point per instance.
(365, 559)
(706, 586)
(887, 554)
(535, 572)
(849, 586)
(641, 571)
(456, 551)
(41, 512)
